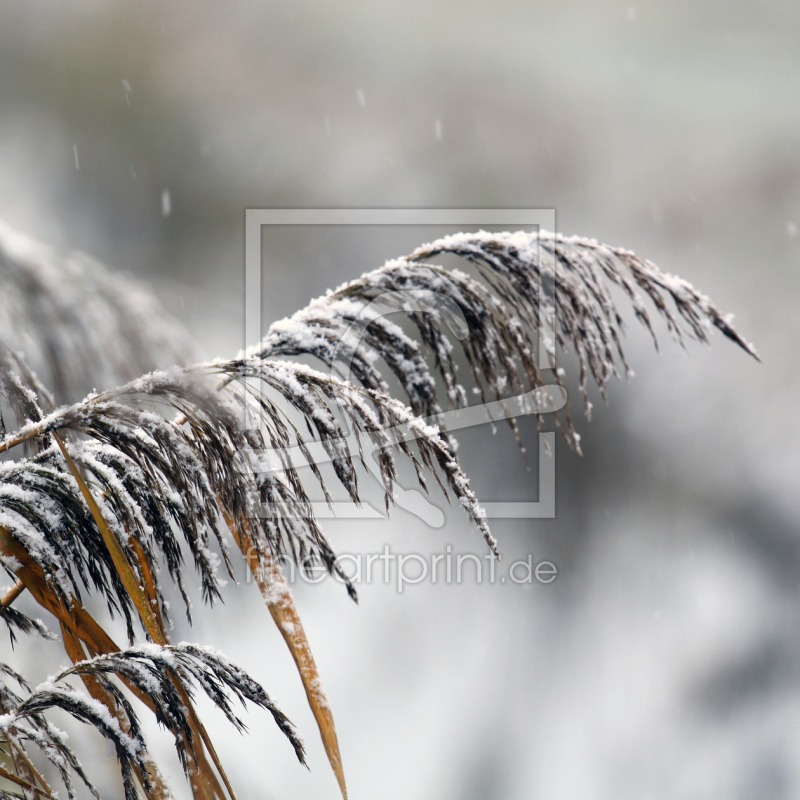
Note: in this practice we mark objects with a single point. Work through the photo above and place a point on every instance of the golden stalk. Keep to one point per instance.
(284, 613)
(13, 594)
(118, 557)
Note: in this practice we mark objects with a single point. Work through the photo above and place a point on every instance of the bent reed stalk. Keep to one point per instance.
(151, 474)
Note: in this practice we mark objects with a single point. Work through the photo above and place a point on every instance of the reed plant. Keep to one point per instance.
(108, 498)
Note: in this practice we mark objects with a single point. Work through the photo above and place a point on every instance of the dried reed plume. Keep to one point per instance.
(108, 489)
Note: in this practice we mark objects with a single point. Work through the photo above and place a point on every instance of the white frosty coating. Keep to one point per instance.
(597, 260)
(30, 536)
(94, 707)
(10, 562)
(581, 269)
(274, 592)
(91, 458)
(316, 688)
(334, 329)
(154, 669)
(28, 393)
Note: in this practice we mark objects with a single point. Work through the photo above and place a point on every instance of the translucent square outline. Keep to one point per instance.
(255, 218)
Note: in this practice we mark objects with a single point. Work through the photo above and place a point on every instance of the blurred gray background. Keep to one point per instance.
(664, 661)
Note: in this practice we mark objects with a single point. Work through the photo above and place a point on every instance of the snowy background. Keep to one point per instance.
(664, 661)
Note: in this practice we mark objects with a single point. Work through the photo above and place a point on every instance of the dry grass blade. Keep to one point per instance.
(121, 562)
(278, 597)
(281, 606)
